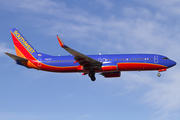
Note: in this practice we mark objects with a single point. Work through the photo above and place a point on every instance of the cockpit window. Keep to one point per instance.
(165, 58)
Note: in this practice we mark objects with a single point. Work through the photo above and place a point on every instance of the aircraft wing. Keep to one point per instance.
(79, 57)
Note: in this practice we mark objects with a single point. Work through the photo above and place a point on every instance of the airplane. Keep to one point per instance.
(110, 65)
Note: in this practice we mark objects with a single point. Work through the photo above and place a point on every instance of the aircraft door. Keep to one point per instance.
(39, 62)
(155, 59)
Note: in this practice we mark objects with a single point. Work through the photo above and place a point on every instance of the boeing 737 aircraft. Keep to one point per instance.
(106, 65)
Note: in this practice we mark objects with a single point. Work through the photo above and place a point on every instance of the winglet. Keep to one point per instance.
(61, 42)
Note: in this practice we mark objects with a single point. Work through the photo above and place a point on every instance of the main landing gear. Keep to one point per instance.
(92, 75)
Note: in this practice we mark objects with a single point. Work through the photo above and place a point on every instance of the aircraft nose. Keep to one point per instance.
(172, 63)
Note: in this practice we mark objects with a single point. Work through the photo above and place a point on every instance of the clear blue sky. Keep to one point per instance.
(90, 27)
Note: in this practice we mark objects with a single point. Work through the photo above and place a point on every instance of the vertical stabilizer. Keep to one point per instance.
(23, 48)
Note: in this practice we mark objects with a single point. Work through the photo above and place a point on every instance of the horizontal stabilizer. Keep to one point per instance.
(17, 58)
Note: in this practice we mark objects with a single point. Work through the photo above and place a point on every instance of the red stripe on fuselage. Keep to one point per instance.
(139, 66)
(59, 69)
(109, 68)
(121, 67)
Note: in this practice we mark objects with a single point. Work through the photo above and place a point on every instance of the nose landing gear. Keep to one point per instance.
(159, 74)
(160, 70)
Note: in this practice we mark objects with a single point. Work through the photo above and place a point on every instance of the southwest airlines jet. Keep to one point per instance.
(107, 65)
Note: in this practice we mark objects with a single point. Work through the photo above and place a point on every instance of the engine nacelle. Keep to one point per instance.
(111, 74)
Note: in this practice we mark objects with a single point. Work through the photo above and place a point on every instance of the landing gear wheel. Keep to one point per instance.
(159, 74)
(92, 75)
(93, 78)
